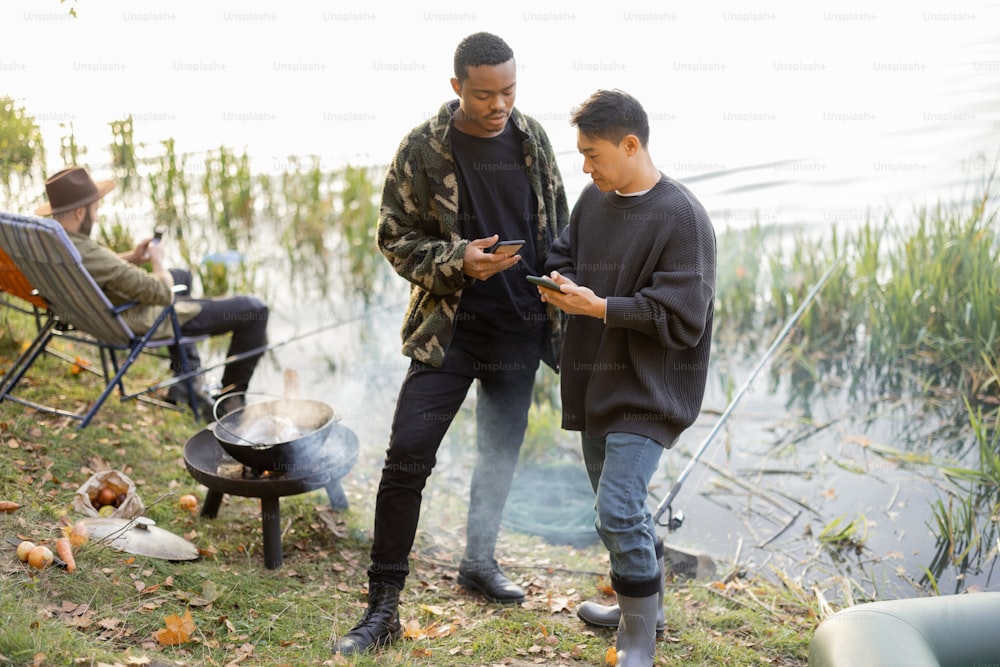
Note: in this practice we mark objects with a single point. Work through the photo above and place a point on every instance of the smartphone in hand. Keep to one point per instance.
(508, 248)
(543, 281)
(158, 234)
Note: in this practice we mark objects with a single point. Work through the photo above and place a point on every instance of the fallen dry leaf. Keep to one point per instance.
(434, 610)
(81, 621)
(558, 603)
(209, 593)
(177, 630)
(207, 552)
(411, 629)
(109, 623)
(436, 630)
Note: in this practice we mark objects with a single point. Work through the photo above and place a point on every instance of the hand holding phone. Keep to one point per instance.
(543, 281)
(158, 234)
(508, 248)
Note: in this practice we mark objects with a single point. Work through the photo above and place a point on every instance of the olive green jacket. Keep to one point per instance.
(420, 233)
(123, 283)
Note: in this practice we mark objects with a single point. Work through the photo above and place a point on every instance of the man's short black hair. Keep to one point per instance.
(481, 48)
(612, 115)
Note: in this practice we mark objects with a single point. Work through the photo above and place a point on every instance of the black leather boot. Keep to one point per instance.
(379, 626)
(488, 580)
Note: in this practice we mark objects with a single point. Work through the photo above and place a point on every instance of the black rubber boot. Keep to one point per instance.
(378, 627)
(608, 615)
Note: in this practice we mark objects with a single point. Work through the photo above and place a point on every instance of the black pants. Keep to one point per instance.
(428, 401)
(243, 316)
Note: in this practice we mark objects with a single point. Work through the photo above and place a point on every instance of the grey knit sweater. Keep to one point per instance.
(652, 256)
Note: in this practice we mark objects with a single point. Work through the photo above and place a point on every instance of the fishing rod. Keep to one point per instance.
(674, 521)
(264, 348)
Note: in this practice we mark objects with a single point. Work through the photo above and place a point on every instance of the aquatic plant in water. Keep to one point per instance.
(912, 309)
(967, 521)
(840, 535)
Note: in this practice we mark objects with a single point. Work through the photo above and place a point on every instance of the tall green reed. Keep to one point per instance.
(123, 155)
(935, 310)
(912, 307)
(70, 151)
(168, 188)
(308, 213)
(738, 305)
(227, 188)
(358, 221)
(22, 151)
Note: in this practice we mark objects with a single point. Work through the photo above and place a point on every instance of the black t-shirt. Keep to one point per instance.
(495, 197)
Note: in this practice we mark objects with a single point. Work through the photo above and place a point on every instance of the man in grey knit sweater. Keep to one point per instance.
(636, 275)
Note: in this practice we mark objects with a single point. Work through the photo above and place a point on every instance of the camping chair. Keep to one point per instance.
(13, 283)
(78, 310)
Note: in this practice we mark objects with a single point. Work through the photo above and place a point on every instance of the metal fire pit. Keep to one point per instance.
(329, 461)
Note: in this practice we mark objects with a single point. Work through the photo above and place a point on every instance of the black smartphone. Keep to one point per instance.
(506, 247)
(158, 234)
(542, 281)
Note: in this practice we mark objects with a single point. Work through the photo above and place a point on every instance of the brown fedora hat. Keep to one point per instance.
(70, 189)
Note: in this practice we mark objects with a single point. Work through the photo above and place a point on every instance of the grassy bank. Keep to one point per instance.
(110, 610)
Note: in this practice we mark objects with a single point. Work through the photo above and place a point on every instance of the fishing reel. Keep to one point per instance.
(674, 521)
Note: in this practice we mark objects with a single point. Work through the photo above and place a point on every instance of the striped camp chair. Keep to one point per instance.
(25, 300)
(79, 310)
(13, 283)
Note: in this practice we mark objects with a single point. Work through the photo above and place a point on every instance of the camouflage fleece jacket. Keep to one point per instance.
(420, 232)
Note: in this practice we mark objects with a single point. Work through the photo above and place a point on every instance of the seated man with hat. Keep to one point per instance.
(74, 199)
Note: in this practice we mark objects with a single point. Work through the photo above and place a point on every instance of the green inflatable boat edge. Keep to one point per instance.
(944, 631)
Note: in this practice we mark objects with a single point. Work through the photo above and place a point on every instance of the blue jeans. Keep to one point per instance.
(620, 467)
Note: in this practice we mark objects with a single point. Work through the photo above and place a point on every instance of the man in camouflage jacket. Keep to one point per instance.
(420, 234)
